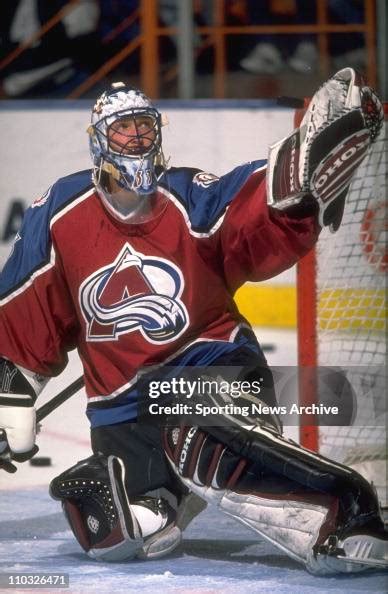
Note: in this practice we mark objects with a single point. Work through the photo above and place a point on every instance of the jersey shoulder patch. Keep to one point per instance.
(203, 195)
(65, 190)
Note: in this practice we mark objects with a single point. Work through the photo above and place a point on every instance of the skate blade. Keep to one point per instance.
(354, 554)
(366, 550)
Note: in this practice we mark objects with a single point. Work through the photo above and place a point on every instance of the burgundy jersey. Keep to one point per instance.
(129, 296)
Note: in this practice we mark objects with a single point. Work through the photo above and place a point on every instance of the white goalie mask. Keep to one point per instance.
(125, 143)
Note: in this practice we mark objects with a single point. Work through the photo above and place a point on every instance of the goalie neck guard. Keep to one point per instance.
(125, 145)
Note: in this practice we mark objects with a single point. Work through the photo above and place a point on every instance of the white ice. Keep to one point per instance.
(217, 554)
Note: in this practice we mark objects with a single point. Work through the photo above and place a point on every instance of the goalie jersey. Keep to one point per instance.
(129, 296)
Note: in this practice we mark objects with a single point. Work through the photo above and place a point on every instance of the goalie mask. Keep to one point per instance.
(125, 145)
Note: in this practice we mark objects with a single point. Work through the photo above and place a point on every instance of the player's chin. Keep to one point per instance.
(135, 150)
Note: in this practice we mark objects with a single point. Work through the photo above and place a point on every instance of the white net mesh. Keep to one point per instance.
(351, 325)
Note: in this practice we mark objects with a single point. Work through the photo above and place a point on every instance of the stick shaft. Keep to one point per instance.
(59, 399)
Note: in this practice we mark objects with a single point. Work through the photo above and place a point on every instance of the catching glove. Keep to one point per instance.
(320, 157)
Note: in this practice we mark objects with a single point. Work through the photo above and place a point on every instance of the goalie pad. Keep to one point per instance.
(320, 158)
(107, 525)
(271, 490)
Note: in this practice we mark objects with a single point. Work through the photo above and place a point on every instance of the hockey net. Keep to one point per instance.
(341, 291)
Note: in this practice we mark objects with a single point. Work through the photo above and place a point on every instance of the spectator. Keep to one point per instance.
(347, 49)
(54, 61)
(266, 55)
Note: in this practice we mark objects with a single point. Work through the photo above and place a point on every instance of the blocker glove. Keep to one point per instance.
(17, 429)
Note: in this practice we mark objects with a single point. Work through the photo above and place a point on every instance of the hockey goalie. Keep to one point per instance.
(135, 264)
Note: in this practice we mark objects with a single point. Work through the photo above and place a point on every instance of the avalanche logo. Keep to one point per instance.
(42, 200)
(135, 292)
(205, 179)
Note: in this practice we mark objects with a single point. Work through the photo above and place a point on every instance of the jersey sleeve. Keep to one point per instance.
(37, 317)
(254, 241)
(205, 197)
(259, 242)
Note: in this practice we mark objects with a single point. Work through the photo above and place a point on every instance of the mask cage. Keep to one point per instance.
(103, 126)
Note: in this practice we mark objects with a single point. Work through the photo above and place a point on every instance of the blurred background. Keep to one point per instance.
(216, 68)
(187, 49)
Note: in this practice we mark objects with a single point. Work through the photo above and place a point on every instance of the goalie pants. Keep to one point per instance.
(140, 448)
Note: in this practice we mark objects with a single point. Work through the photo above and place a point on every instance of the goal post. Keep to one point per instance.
(341, 312)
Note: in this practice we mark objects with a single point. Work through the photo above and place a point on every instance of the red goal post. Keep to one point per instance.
(341, 319)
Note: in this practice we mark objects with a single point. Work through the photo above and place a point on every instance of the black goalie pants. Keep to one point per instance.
(140, 448)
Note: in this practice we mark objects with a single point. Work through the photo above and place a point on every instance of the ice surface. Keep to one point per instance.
(217, 554)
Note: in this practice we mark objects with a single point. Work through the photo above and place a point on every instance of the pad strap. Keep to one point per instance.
(358, 503)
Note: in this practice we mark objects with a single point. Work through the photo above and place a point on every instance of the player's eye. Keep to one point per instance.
(145, 123)
(125, 124)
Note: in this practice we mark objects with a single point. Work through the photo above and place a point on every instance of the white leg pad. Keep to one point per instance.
(292, 526)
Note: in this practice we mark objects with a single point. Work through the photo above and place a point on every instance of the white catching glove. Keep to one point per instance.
(17, 430)
(320, 157)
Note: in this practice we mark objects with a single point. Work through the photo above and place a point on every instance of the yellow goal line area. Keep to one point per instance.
(338, 309)
(268, 305)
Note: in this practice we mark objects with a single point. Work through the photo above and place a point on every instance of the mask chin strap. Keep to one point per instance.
(110, 169)
(161, 161)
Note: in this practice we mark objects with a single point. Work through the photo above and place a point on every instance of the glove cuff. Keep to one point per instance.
(23, 400)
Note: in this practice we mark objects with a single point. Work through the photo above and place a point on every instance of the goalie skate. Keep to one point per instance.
(320, 157)
(354, 553)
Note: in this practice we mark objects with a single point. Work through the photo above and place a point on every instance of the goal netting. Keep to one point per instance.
(342, 322)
